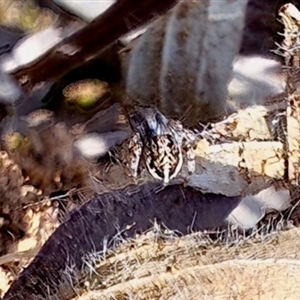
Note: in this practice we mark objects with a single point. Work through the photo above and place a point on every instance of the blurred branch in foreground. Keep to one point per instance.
(120, 18)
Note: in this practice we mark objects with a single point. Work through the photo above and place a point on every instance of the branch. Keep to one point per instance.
(120, 18)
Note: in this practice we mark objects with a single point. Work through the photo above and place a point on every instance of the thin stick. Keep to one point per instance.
(73, 51)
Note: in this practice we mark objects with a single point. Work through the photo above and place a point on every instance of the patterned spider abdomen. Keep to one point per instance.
(163, 157)
(159, 143)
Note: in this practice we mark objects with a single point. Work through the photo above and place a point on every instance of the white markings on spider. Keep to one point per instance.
(160, 144)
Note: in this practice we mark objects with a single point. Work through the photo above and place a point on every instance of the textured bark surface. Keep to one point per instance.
(234, 279)
(187, 77)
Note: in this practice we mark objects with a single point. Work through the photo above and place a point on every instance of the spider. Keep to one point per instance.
(159, 143)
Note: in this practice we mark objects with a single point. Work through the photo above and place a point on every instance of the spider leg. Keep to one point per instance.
(189, 141)
(179, 165)
(191, 160)
(135, 148)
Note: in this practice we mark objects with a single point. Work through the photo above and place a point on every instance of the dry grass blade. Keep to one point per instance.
(236, 279)
(192, 268)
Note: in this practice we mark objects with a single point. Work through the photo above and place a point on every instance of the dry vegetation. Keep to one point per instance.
(161, 264)
(194, 267)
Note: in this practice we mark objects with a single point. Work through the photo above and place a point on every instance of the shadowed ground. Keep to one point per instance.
(124, 212)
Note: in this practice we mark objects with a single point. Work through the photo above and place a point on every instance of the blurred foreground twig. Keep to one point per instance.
(70, 53)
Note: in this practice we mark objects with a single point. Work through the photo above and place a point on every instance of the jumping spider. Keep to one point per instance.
(159, 143)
